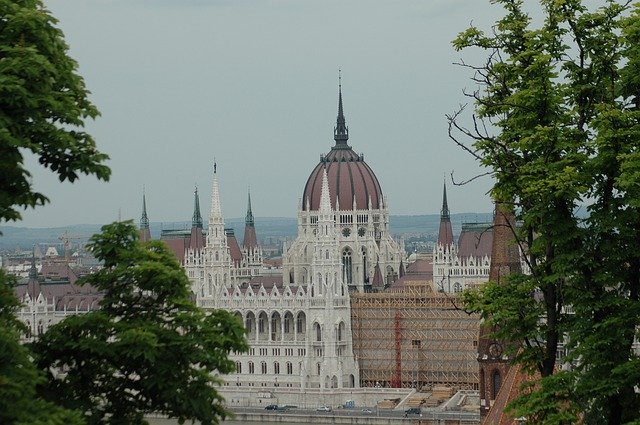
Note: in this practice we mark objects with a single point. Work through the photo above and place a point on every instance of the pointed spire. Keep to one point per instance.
(325, 196)
(248, 221)
(216, 209)
(196, 221)
(144, 233)
(250, 241)
(444, 212)
(445, 233)
(341, 131)
(144, 220)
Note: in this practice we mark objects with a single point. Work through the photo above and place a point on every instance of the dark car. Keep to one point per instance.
(271, 407)
(412, 411)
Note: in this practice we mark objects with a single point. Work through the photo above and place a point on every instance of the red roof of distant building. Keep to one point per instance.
(475, 240)
(234, 248)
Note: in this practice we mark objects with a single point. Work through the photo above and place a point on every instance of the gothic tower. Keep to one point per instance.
(145, 234)
(505, 259)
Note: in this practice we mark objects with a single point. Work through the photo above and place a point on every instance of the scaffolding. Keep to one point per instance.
(414, 337)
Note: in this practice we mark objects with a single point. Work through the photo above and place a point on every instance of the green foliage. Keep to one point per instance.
(43, 105)
(19, 403)
(148, 348)
(558, 124)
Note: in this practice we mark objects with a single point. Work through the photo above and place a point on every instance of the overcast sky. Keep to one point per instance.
(254, 84)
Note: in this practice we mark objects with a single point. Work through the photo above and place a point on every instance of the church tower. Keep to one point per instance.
(505, 260)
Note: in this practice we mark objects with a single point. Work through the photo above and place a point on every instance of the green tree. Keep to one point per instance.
(43, 105)
(19, 403)
(148, 348)
(557, 125)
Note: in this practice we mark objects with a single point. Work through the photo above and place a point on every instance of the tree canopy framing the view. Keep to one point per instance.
(43, 106)
(148, 348)
(557, 121)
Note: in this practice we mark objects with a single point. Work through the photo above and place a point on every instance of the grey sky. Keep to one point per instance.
(254, 84)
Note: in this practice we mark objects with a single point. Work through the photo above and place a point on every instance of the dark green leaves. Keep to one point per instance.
(149, 348)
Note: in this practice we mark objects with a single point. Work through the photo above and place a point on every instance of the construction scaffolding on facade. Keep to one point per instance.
(414, 337)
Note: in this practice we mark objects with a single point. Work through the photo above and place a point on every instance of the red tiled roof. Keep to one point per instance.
(234, 248)
(250, 241)
(445, 233)
(348, 176)
(420, 266)
(177, 246)
(475, 240)
(196, 241)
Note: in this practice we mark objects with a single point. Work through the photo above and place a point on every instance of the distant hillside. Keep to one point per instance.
(14, 237)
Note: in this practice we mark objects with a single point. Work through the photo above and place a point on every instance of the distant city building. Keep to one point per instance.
(457, 266)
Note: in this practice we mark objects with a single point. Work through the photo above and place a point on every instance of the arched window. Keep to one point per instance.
(289, 368)
(496, 383)
(262, 319)
(276, 368)
(340, 331)
(318, 331)
(40, 329)
(251, 367)
(301, 323)
(318, 368)
(263, 367)
(238, 367)
(457, 287)
(347, 266)
(287, 322)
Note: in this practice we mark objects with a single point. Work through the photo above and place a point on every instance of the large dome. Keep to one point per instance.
(348, 175)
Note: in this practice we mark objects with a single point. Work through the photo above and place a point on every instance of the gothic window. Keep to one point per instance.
(40, 329)
(276, 368)
(289, 368)
(261, 322)
(251, 367)
(287, 322)
(347, 266)
(361, 231)
(496, 383)
(238, 367)
(318, 368)
(263, 368)
(250, 322)
(340, 331)
(318, 331)
(457, 287)
(300, 323)
(326, 255)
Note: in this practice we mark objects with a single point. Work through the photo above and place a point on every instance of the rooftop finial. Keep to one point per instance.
(341, 132)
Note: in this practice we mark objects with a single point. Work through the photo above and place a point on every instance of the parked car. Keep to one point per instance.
(367, 411)
(271, 407)
(324, 409)
(412, 411)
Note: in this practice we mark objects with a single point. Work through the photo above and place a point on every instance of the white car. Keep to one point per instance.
(323, 409)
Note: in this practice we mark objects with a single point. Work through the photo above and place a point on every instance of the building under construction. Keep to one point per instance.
(414, 336)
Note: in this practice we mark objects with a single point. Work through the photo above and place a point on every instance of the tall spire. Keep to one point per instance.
(196, 221)
(445, 233)
(250, 240)
(249, 218)
(144, 220)
(216, 209)
(144, 233)
(444, 213)
(325, 196)
(340, 132)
